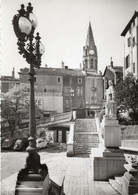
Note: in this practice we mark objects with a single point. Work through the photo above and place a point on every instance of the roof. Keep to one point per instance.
(56, 72)
(90, 40)
(93, 74)
(8, 78)
(129, 23)
(115, 69)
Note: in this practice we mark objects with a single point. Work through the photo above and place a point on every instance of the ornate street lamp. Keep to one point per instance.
(31, 48)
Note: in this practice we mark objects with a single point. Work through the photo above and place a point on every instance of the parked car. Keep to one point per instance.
(41, 143)
(2, 139)
(21, 144)
(8, 143)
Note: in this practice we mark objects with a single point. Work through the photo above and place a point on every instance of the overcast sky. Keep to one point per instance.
(63, 26)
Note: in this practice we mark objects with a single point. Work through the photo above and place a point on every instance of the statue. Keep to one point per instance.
(110, 106)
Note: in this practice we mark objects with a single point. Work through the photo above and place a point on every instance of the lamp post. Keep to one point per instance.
(72, 95)
(31, 48)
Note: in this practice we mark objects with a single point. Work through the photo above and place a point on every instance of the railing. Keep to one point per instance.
(100, 127)
(55, 119)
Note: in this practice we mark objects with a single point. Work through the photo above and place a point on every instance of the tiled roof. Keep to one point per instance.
(8, 78)
(118, 68)
(57, 72)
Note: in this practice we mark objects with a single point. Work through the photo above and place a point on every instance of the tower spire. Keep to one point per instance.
(90, 40)
(90, 58)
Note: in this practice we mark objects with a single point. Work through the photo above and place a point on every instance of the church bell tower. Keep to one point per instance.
(90, 58)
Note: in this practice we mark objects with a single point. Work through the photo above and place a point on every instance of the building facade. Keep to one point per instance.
(93, 79)
(130, 34)
(57, 90)
(74, 92)
(113, 73)
(8, 82)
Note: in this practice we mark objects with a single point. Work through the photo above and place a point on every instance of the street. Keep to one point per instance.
(77, 170)
(12, 161)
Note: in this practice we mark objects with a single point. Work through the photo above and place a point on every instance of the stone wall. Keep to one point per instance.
(85, 136)
(129, 136)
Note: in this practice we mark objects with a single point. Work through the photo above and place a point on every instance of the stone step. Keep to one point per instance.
(28, 191)
(85, 136)
(85, 125)
(115, 185)
(119, 180)
(29, 188)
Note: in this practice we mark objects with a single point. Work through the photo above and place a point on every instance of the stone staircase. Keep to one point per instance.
(29, 187)
(85, 136)
(116, 183)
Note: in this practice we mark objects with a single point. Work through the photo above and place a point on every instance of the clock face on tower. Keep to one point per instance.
(91, 51)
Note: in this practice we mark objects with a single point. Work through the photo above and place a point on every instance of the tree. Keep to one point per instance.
(127, 94)
(13, 108)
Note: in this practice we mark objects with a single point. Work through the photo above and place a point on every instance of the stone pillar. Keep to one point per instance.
(112, 161)
(70, 143)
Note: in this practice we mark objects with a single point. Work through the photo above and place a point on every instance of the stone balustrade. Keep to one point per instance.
(70, 148)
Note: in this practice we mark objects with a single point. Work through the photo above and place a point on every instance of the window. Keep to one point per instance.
(59, 80)
(79, 80)
(134, 23)
(85, 52)
(133, 41)
(86, 61)
(79, 91)
(91, 63)
(93, 98)
(127, 61)
(45, 90)
(133, 67)
(95, 64)
(129, 42)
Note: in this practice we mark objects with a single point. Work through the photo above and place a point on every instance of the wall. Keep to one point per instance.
(130, 136)
(132, 50)
(77, 101)
(94, 91)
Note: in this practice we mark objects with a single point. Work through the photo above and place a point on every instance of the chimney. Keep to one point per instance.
(80, 66)
(100, 73)
(111, 63)
(13, 73)
(66, 67)
(62, 64)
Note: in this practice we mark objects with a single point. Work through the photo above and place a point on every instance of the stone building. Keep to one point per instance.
(93, 79)
(8, 82)
(130, 34)
(53, 88)
(113, 73)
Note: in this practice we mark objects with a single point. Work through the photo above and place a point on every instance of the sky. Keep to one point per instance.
(63, 26)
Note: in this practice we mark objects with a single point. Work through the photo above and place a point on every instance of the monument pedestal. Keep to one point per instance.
(130, 178)
(130, 184)
(112, 161)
